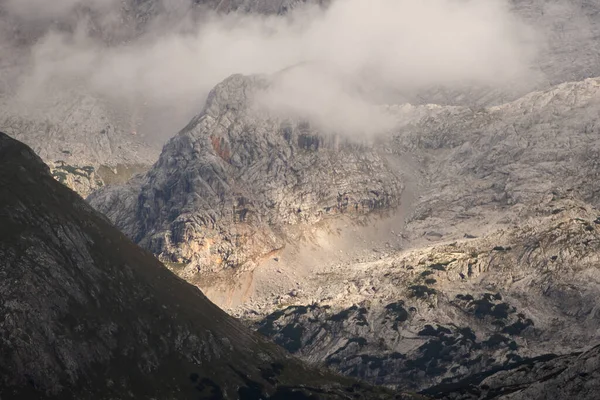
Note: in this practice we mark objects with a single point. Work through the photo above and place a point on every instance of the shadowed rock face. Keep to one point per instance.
(573, 376)
(230, 187)
(86, 314)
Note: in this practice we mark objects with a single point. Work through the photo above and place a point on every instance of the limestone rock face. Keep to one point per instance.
(483, 166)
(444, 313)
(230, 187)
(86, 314)
(500, 256)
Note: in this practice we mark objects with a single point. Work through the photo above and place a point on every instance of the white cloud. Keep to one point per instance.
(352, 47)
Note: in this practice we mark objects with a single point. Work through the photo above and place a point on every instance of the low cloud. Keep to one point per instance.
(336, 60)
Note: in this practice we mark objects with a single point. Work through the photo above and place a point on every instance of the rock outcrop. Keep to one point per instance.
(447, 312)
(501, 254)
(233, 185)
(86, 314)
(550, 376)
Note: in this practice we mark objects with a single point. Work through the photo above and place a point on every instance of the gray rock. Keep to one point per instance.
(233, 185)
(77, 133)
(519, 179)
(445, 314)
(545, 377)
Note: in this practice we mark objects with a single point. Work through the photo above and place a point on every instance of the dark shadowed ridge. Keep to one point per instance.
(86, 314)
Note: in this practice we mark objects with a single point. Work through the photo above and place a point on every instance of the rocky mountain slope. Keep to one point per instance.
(472, 308)
(86, 143)
(545, 377)
(483, 165)
(458, 250)
(506, 192)
(232, 186)
(86, 314)
(503, 174)
(234, 167)
(509, 193)
(449, 311)
(118, 22)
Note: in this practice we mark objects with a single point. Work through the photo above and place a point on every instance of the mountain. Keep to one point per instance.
(114, 23)
(233, 186)
(449, 311)
(566, 37)
(125, 136)
(455, 254)
(86, 314)
(492, 265)
(569, 31)
(499, 257)
(91, 138)
(83, 139)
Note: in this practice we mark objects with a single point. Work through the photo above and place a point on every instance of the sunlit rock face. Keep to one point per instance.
(500, 258)
(235, 184)
(441, 314)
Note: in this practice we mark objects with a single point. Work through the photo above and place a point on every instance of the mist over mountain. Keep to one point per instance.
(403, 192)
(170, 54)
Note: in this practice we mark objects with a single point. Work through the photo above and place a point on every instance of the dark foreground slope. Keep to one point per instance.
(86, 314)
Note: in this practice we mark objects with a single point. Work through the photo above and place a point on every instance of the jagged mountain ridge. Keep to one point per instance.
(229, 189)
(478, 172)
(87, 314)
